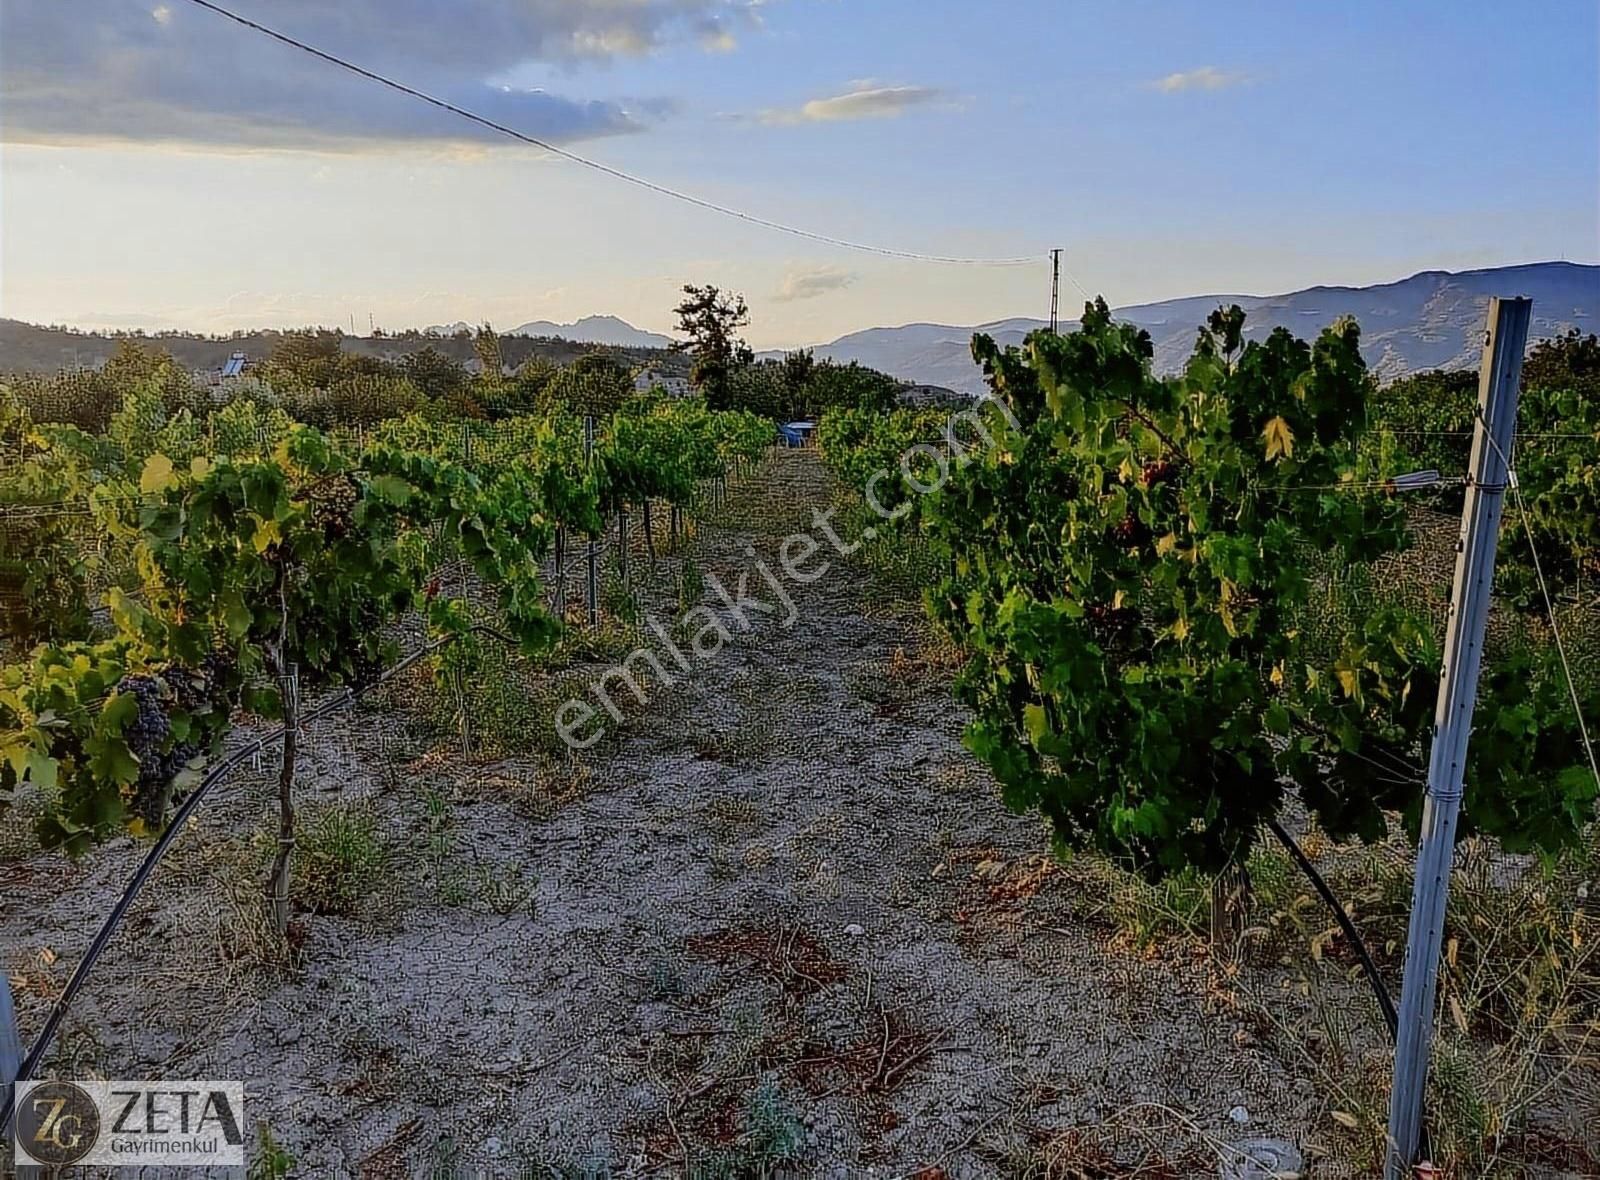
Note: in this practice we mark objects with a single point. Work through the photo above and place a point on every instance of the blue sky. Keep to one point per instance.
(197, 175)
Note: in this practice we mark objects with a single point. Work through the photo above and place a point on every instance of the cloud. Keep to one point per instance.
(864, 100)
(809, 284)
(1204, 78)
(716, 36)
(117, 319)
(172, 72)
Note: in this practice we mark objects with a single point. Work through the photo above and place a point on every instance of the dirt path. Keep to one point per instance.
(781, 921)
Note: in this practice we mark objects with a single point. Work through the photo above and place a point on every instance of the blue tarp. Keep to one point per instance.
(795, 433)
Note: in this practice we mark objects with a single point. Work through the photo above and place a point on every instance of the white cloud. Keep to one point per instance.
(865, 100)
(615, 41)
(176, 74)
(1204, 78)
(809, 284)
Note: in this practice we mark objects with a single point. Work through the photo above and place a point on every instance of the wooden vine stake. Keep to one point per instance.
(278, 881)
(458, 686)
(591, 552)
(1230, 904)
(561, 573)
(623, 540)
(459, 690)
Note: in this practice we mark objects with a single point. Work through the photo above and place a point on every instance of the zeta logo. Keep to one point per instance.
(130, 1124)
(58, 1123)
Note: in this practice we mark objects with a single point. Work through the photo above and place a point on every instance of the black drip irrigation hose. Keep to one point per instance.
(158, 850)
(1379, 989)
(348, 697)
(1357, 943)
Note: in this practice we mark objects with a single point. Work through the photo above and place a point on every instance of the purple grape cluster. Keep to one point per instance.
(1158, 472)
(148, 735)
(150, 727)
(1130, 531)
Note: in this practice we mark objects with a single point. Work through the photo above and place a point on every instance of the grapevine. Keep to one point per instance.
(258, 545)
(1132, 566)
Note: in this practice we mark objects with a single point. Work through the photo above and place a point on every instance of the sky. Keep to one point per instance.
(163, 167)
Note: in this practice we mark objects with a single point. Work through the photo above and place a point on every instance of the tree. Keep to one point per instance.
(797, 369)
(134, 364)
(852, 386)
(592, 384)
(711, 320)
(308, 358)
(763, 388)
(796, 387)
(354, 398)
(525, 392)
(436, 376)
(78, 397)
(486, 345)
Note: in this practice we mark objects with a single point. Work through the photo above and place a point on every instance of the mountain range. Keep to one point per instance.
(1432, 320)
(591, 329)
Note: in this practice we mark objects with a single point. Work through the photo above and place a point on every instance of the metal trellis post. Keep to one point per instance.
(1500, 372)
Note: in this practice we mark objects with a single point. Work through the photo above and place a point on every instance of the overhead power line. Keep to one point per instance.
(607, 169)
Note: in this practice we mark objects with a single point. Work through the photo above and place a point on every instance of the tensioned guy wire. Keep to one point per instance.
(1549, 607)
(607, 169)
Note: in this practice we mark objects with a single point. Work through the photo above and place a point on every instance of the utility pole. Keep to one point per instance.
(1500, 372)
(1055, 287)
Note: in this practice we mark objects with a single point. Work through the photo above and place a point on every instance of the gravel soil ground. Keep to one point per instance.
(778, 922)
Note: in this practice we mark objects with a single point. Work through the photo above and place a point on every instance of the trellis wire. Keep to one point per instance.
(1549, 608)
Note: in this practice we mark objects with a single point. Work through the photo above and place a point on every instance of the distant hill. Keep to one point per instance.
(33, 348)
(593, 329)
(1432, 320)
(596, 329)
